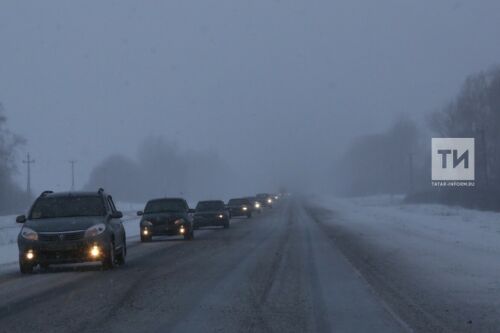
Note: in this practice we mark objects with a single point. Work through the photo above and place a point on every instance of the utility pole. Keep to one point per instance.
(72, 162)
(410, 161)
(28, 162)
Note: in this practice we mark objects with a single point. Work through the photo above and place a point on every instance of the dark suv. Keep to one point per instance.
(69, 228)
(240, 207)
(168, 216)
(211, 213)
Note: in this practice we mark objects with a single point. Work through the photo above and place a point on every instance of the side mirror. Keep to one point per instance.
(117, 215)
(140, 213)
(21, 219)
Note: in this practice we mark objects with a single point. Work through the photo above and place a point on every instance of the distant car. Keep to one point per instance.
(255, 204)
(240, 207)
(211, 213)
(265, 199)
(69, 228)
(167, 216)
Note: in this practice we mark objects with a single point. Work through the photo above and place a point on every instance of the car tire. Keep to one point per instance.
(26, 268)
(120, 258)
(190, 235)
(109, 260)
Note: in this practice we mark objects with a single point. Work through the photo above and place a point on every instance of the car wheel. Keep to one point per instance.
(109, 261)
(190, 235)
(120, 258)
(26, 268)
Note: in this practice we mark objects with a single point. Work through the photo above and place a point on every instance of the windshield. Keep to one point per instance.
(209, 205)
(46, 208)
(237, 202)
(165, 206)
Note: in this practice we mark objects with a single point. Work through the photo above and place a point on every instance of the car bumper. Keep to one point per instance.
(64, 252)
(210, 222)
(163, 230)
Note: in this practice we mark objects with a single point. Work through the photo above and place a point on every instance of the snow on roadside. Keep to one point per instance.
(479, 229)
(445, 256)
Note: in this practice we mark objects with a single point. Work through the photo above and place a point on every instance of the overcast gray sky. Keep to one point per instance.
(269, 85)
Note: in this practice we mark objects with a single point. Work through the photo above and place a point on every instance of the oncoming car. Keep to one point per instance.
(167, 217)
(240, 207)
(211, 213)
(255, 204)
(71, 227)
(265, 199)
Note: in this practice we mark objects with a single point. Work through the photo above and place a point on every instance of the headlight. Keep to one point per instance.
(147, 224)
(257, 205)
(95, 230)
(30, 255)
(269, 200)
(244, 208)
(29, 234)
(220, 216)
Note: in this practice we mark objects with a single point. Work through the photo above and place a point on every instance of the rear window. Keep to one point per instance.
(165, 206)
(45, 208)
(210, 205)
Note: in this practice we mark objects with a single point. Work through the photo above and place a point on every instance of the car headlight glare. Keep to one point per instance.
(244, 208)
(95, 251)
(95, 230)
(220, 216)
(30, 255)
(257, 205)
(29, 234)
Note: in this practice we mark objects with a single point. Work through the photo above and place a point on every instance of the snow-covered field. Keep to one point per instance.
(445, 259)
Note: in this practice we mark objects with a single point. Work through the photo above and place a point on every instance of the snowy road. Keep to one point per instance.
(278, 272)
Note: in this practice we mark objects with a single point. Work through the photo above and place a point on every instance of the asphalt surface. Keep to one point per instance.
(277, 272)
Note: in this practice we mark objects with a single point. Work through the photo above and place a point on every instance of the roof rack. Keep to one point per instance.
(44, 193)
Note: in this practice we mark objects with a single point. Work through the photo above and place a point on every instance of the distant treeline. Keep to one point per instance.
(12, 198)
(161, 169)
(398, 161)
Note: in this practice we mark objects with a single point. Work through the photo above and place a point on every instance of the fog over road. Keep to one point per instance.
(275, 272)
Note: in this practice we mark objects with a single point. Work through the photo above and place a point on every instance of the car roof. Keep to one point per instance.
(165, 199)
(72, 194)
(210, 201)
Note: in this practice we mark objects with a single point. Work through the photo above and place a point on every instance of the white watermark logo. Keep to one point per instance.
(453, 162)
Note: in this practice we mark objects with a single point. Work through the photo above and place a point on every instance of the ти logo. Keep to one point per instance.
(453, 159)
